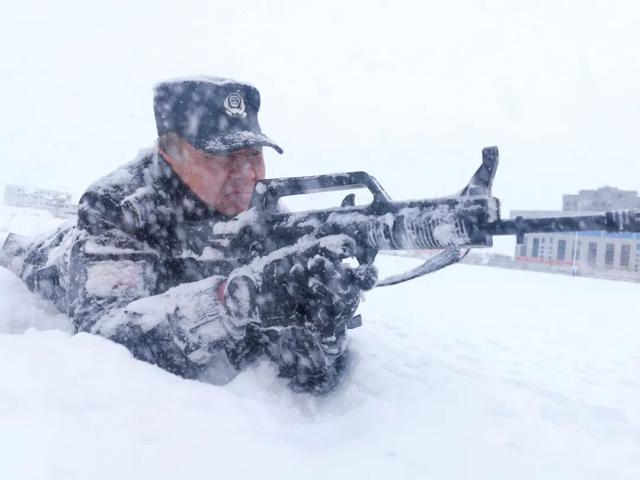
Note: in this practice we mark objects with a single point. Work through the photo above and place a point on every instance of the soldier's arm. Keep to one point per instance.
(117, 289)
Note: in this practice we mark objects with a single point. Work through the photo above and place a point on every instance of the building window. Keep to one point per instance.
(608, 254)
(577, 252)
(592, 253)
(625, 254)
(562, 247)
(535, 248)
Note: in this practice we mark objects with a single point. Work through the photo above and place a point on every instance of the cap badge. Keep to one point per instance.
(234, 106)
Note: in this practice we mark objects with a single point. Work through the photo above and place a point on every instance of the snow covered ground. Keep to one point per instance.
(472, 372)
(25, 221)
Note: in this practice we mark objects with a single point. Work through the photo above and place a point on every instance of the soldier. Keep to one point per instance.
(131, 271)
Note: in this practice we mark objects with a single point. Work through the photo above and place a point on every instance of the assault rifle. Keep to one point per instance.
(452, 224)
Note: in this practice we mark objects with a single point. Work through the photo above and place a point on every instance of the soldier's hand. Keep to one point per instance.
(304, 285)
(297, 302)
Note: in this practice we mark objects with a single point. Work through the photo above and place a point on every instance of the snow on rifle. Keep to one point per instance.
(454, 223)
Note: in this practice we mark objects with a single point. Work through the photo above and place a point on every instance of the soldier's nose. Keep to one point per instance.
(243, 169)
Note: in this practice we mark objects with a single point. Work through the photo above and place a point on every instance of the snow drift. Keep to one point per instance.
(471, 372)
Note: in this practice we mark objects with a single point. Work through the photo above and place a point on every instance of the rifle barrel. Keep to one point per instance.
(611, 221)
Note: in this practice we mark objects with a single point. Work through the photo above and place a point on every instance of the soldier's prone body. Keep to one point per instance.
(131, 270)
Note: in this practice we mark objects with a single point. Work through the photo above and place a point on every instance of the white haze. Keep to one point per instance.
(408, 91)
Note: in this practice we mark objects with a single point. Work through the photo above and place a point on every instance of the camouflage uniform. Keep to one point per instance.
(129, 271)
(133, 269)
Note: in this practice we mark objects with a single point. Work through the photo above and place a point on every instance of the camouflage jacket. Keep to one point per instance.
(134, 269)
(131, 271)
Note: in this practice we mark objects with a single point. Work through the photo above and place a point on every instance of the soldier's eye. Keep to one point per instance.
(223, 162)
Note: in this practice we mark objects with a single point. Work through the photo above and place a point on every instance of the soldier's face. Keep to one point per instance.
(233, 177)
(224, 181)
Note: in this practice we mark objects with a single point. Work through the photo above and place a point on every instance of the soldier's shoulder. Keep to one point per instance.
(101, 204)
(124, 180)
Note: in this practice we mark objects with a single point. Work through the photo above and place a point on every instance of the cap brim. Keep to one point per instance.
(236, 141)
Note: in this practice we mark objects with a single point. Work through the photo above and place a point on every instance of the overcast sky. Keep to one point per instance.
(409, 91)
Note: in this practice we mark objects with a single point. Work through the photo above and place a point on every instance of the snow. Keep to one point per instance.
(21, 310)
(471, 372)
(206, 78)
(239, 139)
(121, 175)
(25, 221)
(116, 279)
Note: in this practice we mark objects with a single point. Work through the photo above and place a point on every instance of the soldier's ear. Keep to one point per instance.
(173, 146)
(181, 151)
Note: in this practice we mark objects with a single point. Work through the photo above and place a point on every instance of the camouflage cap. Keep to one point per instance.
(216, 115)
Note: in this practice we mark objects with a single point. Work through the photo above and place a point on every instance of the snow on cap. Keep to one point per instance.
(213, 114)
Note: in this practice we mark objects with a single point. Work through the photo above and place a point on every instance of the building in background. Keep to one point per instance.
(605, 198)
(584, 252)
(58, 203)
